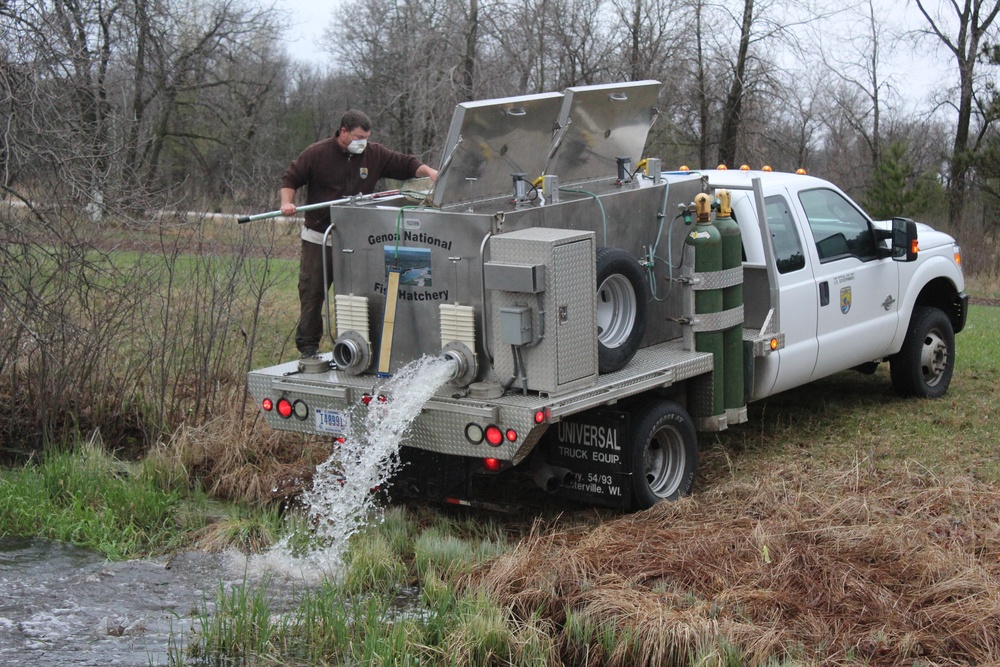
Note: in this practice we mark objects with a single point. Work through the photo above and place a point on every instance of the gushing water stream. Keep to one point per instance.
(341, 500)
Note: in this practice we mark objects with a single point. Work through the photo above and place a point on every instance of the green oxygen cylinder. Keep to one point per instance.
(707, 244)
(732, 300)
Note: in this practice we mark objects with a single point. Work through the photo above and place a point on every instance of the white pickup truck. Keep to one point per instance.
(599, 316)
(842, 300)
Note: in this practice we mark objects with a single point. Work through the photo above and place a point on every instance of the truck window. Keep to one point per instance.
(788, 255)
(840, 230)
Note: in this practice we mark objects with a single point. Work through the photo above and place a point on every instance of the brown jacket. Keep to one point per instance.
(331, 173)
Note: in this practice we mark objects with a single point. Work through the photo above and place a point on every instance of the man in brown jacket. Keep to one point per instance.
(343, 165)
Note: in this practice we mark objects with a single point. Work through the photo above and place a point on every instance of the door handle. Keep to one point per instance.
(824, 294)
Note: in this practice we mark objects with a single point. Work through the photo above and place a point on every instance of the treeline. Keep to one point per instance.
(114, 112)
(117, 104)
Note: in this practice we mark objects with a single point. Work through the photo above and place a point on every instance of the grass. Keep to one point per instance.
(850, 416)
(89, 499)
(841, 525)
(123, 509)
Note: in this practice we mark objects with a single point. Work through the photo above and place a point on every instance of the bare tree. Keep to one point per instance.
(653, 34)
(765, 27)
(399, 55)
(963, 34)
(857, 63)
(113, 85)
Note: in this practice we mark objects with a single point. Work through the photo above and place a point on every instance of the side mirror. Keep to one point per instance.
(904, 240)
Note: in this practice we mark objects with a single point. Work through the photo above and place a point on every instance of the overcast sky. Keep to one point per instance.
(916, 70)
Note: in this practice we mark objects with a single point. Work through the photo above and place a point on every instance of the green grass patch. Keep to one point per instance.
(88, 499)
(852, 417)
(122, 509)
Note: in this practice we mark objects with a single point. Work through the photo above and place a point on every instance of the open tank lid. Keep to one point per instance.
(598, 124)
(490, 140)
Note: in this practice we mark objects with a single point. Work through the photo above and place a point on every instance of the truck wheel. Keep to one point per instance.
(924, 365)
(621, 308)
(664, 453)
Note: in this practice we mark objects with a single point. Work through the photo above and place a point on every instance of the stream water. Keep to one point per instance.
(64, 606)
(60, 605)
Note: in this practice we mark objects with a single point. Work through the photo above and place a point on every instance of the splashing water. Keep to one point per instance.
(341, 500)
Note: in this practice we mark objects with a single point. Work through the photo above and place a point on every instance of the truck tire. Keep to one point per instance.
(664, 449)
(924, 366)
(621, 308)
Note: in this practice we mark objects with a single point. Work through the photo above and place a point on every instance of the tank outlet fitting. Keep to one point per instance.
(464, 364)
(351, 353)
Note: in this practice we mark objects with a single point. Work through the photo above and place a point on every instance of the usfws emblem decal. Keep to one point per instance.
(364, 172)
(845, 299)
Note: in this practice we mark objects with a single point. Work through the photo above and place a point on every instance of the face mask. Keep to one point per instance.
(357, 146)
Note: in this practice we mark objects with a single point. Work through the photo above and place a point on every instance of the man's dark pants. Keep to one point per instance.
(312, 293)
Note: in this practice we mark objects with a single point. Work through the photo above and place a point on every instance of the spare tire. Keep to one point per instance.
(621, 308)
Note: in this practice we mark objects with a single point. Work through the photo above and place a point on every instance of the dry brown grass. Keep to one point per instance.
(237, 456)
(849, 567)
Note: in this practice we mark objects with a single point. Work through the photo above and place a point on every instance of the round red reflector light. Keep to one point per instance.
(366, 399)
(511, 434)
(492, 465)
(540, 416)
(285, 408)
(494, 435)
(382, 398)
(267, 404)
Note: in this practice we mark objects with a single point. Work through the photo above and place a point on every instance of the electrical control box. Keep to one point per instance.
(542, 282)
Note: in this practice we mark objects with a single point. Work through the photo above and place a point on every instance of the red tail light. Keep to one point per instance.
(494, 435)
(284, 408)
(492, 465)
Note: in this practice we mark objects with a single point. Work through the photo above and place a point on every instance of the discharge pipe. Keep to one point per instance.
(351, 353)
(463, 363)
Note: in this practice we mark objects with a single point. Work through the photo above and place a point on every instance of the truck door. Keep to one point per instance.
(857, 293)
(792, 365)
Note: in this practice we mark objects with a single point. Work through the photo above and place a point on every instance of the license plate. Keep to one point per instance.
(331, 421)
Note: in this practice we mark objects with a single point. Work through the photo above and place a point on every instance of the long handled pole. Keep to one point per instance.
(313, 207)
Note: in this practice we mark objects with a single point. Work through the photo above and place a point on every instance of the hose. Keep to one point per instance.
(604, 217)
